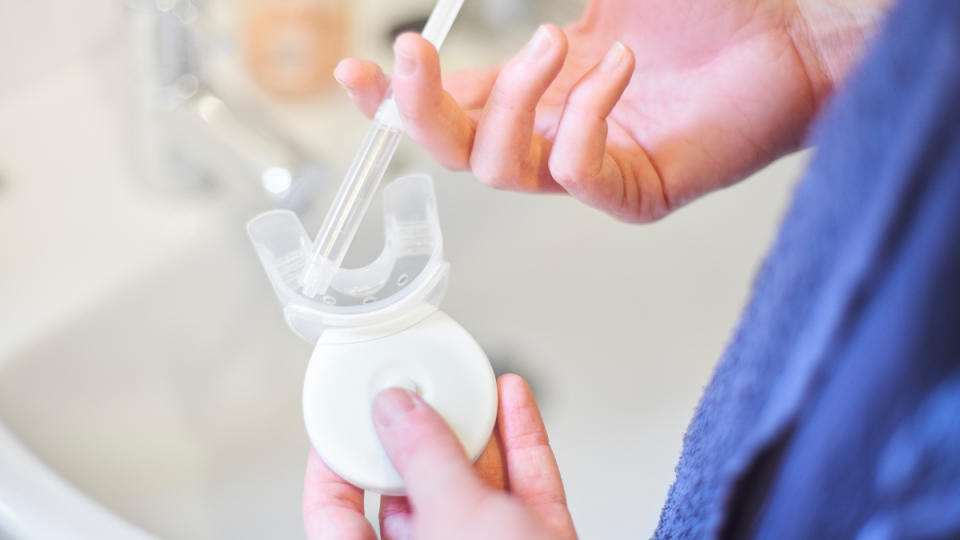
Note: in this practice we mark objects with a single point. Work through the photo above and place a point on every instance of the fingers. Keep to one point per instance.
(579, 160)
(531, 467)
(499, 144)
(506, 152)
(396, 520)
(332, 508)
(364, 82)
(439, 477)
(432, 117)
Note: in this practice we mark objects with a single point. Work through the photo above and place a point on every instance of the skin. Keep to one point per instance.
(699, 95)
(512, 491)
(638, 108)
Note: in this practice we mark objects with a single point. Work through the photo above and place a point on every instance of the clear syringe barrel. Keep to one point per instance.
(351, 204)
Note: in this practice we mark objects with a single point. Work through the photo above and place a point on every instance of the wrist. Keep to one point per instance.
(831, 35)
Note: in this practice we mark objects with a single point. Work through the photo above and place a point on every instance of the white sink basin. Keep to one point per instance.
(175, 403)
(143, 357)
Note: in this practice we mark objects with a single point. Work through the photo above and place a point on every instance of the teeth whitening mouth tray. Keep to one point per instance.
(378, 326)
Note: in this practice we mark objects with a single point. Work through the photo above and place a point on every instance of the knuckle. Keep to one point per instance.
(456, 152)
(575, 170)
(458, 162)
(413, 110)
(494, 175)
(585, 108)
(553, 497)
(417, 105)
(533, 438)
(563, 172)
(513, 97)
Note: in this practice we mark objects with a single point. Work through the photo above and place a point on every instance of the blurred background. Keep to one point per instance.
(143, 356)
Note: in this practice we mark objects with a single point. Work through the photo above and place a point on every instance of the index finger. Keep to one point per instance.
(366, 84)
(332, 508)
(432, 117)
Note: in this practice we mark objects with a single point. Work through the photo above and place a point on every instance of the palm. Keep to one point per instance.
(718, 89)
(712, 91)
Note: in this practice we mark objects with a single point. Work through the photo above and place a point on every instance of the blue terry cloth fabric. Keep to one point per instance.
(835, 411)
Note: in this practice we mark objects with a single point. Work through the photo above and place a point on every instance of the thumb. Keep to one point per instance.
(425, 452)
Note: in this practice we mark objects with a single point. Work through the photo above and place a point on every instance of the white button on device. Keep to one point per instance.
(398, 381)
(435, 358)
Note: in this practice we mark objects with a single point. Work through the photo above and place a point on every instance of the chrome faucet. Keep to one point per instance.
(189, 133)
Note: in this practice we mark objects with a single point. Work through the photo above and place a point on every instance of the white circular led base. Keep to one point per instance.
(435, 358)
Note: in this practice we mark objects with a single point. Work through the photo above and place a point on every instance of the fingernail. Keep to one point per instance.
(404, 64)
(614, 56)
(541, 42)
(340, 81)
(390, 405)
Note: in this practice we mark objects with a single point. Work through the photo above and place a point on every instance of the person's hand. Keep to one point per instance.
(638, 108)
(512, 492)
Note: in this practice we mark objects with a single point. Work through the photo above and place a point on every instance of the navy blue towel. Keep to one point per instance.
(835, 411)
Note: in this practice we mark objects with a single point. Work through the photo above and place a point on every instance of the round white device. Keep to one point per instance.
(435, 358)
(375, 327)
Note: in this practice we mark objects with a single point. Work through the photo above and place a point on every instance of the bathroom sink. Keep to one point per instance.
(175, 403)
(144, 365)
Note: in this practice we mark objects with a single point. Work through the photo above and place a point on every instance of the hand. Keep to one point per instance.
(447, 497)
(711, 92)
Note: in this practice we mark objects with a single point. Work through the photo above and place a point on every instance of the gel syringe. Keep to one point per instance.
(365, 173)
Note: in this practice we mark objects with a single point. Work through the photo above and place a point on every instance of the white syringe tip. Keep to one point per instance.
(440, 21)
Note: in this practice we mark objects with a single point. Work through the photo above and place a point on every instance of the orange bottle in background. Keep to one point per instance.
(292, 46)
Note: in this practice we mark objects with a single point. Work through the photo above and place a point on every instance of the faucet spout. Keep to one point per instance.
(191, 133)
